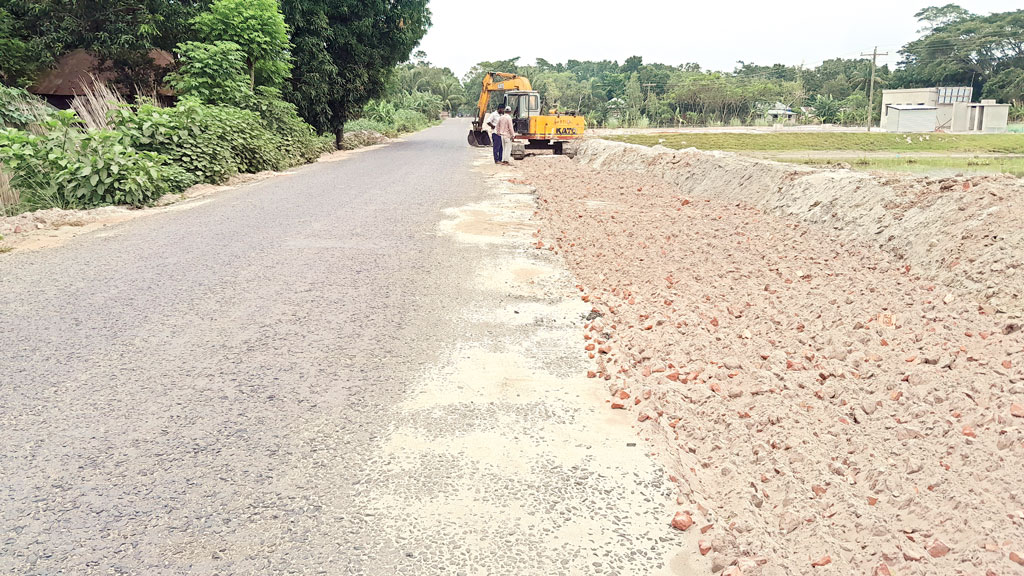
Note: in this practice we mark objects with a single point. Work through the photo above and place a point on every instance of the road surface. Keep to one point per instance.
(360, 367)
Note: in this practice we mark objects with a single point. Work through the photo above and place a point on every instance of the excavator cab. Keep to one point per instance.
(524, 104)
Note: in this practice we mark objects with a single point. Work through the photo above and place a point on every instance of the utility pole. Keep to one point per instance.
(647, 102)
(871, 91)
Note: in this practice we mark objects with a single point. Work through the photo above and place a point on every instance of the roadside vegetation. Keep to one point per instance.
(242, 98)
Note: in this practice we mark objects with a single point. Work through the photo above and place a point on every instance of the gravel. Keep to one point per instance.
(815, 395)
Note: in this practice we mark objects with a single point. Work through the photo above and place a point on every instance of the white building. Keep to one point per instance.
(984, 117)
(910, 118)
(953, 111)
(941, 98)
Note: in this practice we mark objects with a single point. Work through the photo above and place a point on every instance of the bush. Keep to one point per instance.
(301, 143)
(382, 117)
(19, 109)
(365, 124)
(410, 121)
(381, 111)
(213, 73)
(70, 168)
(427, 104)
(209, 142)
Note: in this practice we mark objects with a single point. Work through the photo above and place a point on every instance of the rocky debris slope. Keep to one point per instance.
(825, 401)
(964, 232)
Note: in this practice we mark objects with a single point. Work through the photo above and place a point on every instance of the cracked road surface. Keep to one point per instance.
(360, 367)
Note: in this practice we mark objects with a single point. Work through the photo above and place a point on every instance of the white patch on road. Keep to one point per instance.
(547, 433)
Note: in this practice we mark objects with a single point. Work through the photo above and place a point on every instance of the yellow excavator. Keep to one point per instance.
(559, 132)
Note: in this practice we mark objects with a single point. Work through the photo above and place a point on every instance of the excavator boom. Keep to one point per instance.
(493, 82)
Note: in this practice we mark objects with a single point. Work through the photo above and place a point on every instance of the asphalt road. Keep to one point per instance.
(217, 389)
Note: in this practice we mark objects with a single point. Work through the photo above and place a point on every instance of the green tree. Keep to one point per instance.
(1007, 86)
(962, 48)
(632, 65)
(451, 94)
(213, 73)
(827, 109)
(121, 33)
(345, 51)
(936, 16)
(19, 59)
(258, 28)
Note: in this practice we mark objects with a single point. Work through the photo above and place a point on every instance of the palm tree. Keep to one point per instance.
(861, 79)
(451, 93)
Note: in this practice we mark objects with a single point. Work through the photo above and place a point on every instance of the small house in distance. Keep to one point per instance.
(779, 113)
(950, 108)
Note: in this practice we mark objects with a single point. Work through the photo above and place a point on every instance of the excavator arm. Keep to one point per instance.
(493, 82)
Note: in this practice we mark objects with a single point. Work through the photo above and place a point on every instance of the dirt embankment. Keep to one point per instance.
(964, 232)
(807, 350)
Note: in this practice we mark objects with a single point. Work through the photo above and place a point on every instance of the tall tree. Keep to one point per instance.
(20, 60)
(963, 48)
(258, 28)
(121, 33)
(344, 52)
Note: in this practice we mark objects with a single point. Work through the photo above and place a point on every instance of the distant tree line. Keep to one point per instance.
(956, 47)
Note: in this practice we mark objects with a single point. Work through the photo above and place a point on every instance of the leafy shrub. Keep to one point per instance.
(426, 103)
(70, 168)
(301, 143)
(368, 125)
(213, 73)
(209, 142)
(827, 109)
(410, 121)
(19, 109)
(380, 110)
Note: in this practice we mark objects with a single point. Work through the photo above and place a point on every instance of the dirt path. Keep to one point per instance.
(823, 408)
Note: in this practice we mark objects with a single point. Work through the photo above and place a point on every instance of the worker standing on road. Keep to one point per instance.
(496, 142)
(506, 132)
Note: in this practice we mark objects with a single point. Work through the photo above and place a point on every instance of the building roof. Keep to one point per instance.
(912, 107)
(74, 69)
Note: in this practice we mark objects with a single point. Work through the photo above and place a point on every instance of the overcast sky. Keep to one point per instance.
(714, 33)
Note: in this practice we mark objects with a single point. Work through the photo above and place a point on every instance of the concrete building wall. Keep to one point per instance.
(918, 96)
(986, 117)
(912, 120)
(996, 117)
(961, 117)
(943, 98)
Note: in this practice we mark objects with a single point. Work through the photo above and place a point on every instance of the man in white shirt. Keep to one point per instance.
(505, 132)
(496, 141)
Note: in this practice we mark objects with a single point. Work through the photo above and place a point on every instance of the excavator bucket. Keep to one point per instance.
(479, 138)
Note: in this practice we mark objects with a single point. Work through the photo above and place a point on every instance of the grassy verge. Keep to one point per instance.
(829, 141)
(935, 166)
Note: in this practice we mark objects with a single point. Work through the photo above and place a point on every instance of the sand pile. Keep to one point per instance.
(965, 232)
(824, 405)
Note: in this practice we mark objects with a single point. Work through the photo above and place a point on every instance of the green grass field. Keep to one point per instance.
(930, 165)
(834, 141)
(933, 154)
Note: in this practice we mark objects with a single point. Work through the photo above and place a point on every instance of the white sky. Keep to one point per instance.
(715, 33)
